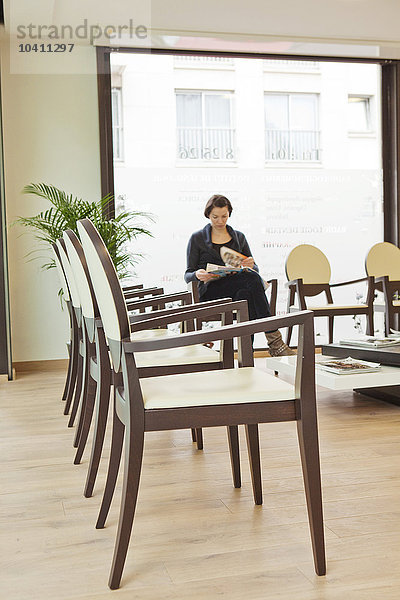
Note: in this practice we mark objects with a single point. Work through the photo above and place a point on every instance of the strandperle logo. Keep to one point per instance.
(83, 31)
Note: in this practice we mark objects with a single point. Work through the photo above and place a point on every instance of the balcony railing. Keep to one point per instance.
(291, 65)
(286, 145)
(197, 143)
(222, 61)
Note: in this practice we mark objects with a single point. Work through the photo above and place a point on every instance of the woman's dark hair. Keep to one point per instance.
(217, 201)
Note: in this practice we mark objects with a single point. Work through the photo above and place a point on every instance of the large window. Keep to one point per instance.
(204, 126)
(291, 127)
(193, 128)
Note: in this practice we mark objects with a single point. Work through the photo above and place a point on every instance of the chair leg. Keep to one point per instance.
(87, 419)
(78, 391)
(193, 435)
(117, 441)
(253, 447)
(199, 438)
(233, 439)
(132, 469)
(102, 406)
(291, 299)
(370, 323)
(330, 328)
(309, 452)
(68, 376)
(73, 361)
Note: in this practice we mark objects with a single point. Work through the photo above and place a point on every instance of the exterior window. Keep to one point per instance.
(291, 127)
(116, 105)
(204, 126)
(359, 114)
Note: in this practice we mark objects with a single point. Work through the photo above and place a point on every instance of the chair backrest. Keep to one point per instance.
(383, 259)
(107, 289)
(61, 273)
(69, 276)
(81, 274)
(308, 263)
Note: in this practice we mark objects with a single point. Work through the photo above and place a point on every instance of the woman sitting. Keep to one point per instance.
(204, 247)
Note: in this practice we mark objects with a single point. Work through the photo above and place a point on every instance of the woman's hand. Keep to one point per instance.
(248, 262)
(204, 276)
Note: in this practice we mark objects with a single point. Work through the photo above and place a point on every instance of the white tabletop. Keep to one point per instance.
(385, 376)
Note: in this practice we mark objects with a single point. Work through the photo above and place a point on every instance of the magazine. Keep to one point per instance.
(232, 258)
(368, 341)
(347, 366)
(221, 271)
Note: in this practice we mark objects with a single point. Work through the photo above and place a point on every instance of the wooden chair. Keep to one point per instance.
(309, 273)
(96, 364)
(231, 396)
(383, 264)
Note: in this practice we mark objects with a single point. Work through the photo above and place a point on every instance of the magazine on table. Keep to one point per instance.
(369, 341)
(348, 366)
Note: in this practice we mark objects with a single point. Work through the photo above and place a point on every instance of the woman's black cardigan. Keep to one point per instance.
(200, 251)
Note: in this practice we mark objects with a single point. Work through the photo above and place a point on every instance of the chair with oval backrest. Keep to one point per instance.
(309, 273)
(383, 264)
(97, 369)
(231, 396)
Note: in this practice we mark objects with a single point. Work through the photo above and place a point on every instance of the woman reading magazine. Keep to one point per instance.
(205, 248)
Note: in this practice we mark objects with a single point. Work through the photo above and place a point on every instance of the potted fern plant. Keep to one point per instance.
(66, 210)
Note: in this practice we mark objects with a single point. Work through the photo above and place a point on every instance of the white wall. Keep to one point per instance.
(50, 135)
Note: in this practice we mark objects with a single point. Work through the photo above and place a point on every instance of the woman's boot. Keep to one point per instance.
(276, 345)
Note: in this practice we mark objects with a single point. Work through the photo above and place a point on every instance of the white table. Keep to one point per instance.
(387, 376)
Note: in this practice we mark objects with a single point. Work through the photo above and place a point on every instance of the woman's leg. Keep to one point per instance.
(248, 286)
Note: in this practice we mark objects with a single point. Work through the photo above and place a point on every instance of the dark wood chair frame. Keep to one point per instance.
(97, 369)
(390, 289)
(303, 290)
(131, 419)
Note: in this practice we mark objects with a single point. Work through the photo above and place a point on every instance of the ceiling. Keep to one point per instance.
(368, 23)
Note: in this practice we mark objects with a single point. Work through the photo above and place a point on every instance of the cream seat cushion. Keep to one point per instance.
(325, 306)
(172, 356)
(149, 334)
(228, 386)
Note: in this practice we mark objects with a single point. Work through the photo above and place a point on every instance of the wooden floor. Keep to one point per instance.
(195, 537)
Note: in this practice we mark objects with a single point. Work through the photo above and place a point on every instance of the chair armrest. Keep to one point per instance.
(127, 288)
(181, 309)
(348, 282)
(221, 333)
(153, 291)
(293, 283)
(240, 306)
(160, 299)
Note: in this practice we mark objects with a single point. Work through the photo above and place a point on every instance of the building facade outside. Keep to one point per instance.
(295, 146)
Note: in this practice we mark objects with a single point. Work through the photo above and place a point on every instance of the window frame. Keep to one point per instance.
(203, 94)
(118, 130)
(290, 130)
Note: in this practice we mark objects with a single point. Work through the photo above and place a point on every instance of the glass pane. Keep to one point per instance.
(217, 110)
(188, 110)
(358, 114)
(318, 186)
(276, 111)
(303, 112)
